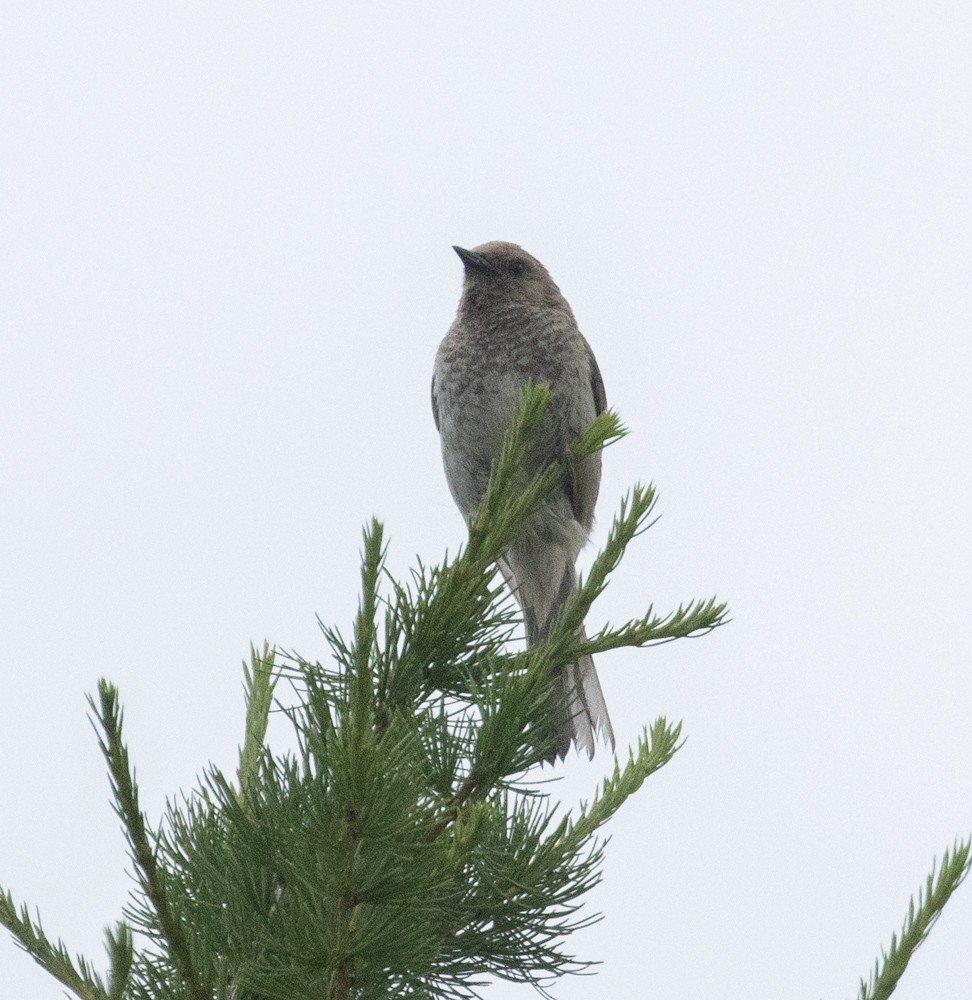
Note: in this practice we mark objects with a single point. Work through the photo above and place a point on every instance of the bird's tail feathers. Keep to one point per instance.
(579, 710)
(587, 712)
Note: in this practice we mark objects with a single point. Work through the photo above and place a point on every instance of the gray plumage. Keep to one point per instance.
(514, 326)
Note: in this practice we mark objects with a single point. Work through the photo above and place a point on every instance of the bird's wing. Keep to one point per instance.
(435, 405)
(597, 383)
(582, 477)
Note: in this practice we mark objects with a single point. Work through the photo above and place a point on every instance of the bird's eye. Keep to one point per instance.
(517, 267)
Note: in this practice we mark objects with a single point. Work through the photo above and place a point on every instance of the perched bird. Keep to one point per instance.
(514, 326)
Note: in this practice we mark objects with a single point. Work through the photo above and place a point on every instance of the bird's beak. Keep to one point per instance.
(471, 259)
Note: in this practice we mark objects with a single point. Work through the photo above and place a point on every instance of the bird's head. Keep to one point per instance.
(498, 272)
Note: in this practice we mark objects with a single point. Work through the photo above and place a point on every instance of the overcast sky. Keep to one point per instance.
(226, 267)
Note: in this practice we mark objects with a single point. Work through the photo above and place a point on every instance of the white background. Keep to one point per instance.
(226, 266)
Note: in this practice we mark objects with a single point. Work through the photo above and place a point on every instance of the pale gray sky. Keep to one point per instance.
(225, 271)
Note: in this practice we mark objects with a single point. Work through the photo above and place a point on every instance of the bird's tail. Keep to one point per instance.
(579, 707)
(585, 709)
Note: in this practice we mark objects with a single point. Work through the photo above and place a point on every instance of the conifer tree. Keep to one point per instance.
(405, 849)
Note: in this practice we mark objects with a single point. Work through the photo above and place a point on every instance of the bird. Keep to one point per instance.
(513, 327)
